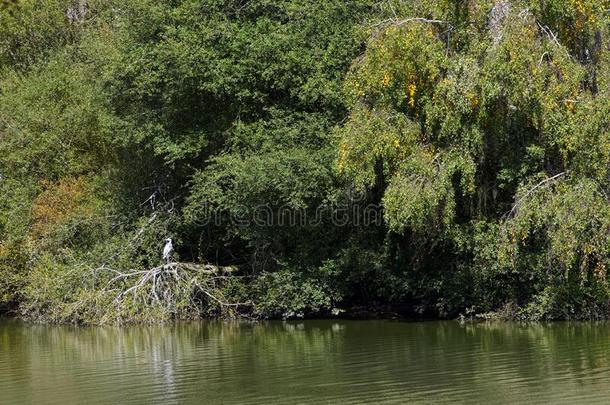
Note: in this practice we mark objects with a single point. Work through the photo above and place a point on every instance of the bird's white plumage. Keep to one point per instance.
(167, 250)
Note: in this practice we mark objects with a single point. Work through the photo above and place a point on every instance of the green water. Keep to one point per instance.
(306, 362)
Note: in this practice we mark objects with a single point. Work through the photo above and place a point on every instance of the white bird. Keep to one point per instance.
(167, 250)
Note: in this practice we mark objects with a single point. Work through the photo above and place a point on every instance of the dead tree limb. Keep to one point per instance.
(514, 210)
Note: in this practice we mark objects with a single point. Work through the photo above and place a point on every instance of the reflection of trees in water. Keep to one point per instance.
(334, 359)
(547, 347)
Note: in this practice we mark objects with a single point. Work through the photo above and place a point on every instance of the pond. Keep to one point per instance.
(305, 362)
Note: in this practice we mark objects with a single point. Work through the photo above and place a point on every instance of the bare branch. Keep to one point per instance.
(171, 283)
(544, 182)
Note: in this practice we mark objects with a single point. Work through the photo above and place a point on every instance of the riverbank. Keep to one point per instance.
(180, 291)
(398, 312)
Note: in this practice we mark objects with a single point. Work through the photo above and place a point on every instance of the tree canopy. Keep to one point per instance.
(476, 132)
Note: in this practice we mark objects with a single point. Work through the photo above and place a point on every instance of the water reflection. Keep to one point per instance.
(312, 361)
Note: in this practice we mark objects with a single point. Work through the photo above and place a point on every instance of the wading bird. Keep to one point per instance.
(167, 250)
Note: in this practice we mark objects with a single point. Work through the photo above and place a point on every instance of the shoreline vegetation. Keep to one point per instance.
(424, 158)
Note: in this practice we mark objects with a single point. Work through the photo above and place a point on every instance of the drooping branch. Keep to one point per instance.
(398, 22)
(544, 182)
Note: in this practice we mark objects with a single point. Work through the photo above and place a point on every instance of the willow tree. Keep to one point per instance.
(487, 125)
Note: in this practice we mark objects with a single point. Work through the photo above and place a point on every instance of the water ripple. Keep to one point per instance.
(306, 362)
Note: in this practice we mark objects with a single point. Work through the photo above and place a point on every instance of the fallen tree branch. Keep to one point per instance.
(170, 285)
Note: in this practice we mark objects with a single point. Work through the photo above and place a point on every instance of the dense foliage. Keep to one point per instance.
(307, 158)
